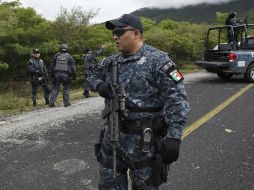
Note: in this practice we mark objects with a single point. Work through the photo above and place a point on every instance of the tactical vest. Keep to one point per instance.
(62, 62)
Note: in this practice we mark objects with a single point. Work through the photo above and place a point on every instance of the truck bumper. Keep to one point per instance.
(215, 67)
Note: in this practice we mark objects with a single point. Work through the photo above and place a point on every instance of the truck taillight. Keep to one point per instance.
(232, 57)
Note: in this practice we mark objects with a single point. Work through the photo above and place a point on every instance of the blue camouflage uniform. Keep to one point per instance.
(39, 77)
(63, 68)
(89, 61)
(149, 88)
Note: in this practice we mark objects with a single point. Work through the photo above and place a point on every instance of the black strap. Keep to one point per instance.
(136, 109)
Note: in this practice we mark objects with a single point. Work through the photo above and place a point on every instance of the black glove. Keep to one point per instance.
(104, 90)
(74, 77)
(170, 150)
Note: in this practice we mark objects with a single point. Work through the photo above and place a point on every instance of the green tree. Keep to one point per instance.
(182, 40)
(221, 17)
(21, 30)
(72, 27)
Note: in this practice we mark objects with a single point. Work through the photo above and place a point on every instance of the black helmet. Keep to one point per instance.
(36, 50)
(63, 47)
(232, 14)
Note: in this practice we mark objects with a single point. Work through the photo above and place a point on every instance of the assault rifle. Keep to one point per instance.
(114, 110)
(243, 21)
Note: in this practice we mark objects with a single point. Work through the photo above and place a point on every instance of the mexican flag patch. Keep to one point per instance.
(176, 76)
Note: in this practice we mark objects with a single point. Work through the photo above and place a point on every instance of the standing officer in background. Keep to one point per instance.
(156, 110)
(89, 61)
(63, 67)
(231, 21)
(39, 76)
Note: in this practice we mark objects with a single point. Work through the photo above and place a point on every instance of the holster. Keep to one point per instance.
(159, 172)
(97, 146)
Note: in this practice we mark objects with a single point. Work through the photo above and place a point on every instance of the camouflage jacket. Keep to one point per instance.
(89, 61)
(36, 68)
(149, 84)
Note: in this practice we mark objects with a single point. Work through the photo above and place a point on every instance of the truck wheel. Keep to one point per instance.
(249, 74)
(225, 75)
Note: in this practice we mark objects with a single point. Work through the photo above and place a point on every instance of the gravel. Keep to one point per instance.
(40, 120)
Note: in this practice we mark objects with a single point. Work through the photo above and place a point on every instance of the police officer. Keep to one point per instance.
(39, 76)
(156, 110)
(63, 68)
(89, 61)
(231, 21)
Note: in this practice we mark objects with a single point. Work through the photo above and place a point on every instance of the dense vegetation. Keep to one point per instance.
(22, 29)
(202, 13)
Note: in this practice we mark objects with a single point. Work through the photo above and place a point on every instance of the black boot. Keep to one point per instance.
(86, 94)
(34, 103)
(67, 104)
(51, 105)
(46, 101)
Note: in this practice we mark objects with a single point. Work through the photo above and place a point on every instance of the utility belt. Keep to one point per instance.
(137, 126)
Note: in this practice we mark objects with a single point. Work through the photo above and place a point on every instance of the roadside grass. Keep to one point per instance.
(189, 68)
(16, 98)
(16, 101)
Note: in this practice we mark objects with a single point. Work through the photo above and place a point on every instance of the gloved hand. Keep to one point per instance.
(170, 150)
(104, 90)
(74, 77)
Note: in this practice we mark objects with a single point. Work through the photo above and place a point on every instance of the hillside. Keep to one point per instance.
(202, 13)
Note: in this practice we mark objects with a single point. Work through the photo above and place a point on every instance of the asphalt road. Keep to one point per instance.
(218, 155)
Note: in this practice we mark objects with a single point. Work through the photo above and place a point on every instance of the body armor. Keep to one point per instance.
(62, 62)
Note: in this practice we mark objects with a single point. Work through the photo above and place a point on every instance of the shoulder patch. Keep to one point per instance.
(170, 69)
(176, 76)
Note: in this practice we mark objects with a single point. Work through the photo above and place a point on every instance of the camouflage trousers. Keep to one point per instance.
(35, 82)
(60, 78)
(129, 151)
(87, 87)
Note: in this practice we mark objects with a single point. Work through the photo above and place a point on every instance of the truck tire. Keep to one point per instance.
(249, 74)
(225, 76)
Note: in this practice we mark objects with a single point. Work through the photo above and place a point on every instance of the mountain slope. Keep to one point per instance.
(202, 13)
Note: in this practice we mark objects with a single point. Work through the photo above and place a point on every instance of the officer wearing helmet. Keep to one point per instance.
(231, 21)
(63, 68)
(39, 76)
